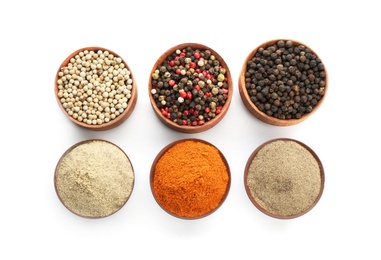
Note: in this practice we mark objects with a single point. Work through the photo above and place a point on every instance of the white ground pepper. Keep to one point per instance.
(94, 178)
(284, 178)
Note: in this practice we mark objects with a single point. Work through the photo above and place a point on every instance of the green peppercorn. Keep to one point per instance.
(155, 75)
(215, 91)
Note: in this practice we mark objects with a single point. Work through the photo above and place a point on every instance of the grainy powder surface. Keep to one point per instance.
(94, 179)
(284, 178)
(191, 179)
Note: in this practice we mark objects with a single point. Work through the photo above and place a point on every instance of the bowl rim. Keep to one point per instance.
(67, 151)
(256, 204)
(112, 123)
(163, 151)
(253, 109)
(209, 124)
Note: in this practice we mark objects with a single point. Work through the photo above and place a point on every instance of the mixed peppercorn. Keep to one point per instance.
(190, 87)
(285, 80)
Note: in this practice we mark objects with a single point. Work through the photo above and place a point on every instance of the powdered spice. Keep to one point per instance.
(94, 178)
(284, 178)
(190, 179)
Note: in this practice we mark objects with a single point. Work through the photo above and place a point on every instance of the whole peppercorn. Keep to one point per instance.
(95, 86)
(195, 81)
(285, 79)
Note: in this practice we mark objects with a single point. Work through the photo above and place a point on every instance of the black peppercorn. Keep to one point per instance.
(287, 75)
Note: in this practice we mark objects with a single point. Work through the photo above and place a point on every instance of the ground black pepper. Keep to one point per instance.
(285, 80)
(190, 87)
(284, 178)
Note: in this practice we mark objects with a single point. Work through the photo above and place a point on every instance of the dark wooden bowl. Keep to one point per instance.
(113, 122)
(189, 128)
(255, 110)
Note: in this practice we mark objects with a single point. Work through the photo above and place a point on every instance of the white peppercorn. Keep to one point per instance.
(91, 84)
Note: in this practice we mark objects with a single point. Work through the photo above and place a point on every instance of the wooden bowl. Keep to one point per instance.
(99, 92)
(284, 178)
(182, 73)
(190, 178)
(94, 178)
(281, 96)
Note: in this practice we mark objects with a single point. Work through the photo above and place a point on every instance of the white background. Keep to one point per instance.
(36, 36)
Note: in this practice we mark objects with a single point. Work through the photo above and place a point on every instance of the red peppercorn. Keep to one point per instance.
(196, 55)
(189, 95)
(164, 112)
(201, 122)
(224, 91)
(207, 109)
(171, 82)
(178, 71)
(198, 71)
(197, 87)
(183, 94)
(185, 122)
(192, 65)
(171, 63)
(183, 54)
(185, 112)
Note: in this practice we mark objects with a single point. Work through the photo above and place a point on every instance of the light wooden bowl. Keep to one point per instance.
(113, 122)
(181, 190)
(190, 128)
(261, 115)
(276, 196)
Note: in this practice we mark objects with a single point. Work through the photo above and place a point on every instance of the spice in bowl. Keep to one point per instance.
(94, 178)
(190, 88)
(95, 88)
(284, 178)
(190, 178)
(282, 82)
